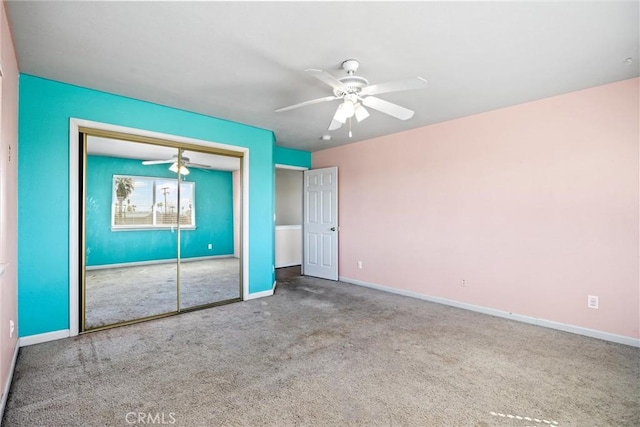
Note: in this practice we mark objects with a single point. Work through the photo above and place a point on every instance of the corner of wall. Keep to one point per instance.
(9, 78)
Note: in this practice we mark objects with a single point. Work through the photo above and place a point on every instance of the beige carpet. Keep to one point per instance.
(322, 353)
(116, 295)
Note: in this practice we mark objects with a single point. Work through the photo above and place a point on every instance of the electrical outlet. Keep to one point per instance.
(463, 283)
(359, 265)
(12, 328)
(593, 301)
(210, 246)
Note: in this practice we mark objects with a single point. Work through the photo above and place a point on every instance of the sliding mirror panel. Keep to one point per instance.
(131, 233)
(209, 229)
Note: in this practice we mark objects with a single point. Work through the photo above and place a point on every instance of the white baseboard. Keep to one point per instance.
(620, 339)
(289, 227)
(156, 261)
(7, 385)
(259, 294)
(46, 337)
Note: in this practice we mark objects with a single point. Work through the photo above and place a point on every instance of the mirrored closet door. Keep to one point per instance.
(209, 251)
(160, 231)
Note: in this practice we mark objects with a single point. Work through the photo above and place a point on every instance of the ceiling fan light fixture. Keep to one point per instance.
(183, 169)
(360, 112)
(348, 108)
(341, 115)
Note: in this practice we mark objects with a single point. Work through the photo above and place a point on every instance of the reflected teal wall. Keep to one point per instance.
(45, 108)
(214, 216)
(291, 157)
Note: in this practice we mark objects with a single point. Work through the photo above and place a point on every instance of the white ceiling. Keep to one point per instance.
(99, 146)
(241, 60)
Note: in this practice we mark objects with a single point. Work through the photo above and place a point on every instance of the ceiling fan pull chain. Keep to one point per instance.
(350, 134)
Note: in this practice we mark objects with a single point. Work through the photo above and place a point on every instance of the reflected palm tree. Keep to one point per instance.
(124, 187)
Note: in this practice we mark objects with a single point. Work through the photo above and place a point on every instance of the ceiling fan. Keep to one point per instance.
(356, 93)
(182, 168)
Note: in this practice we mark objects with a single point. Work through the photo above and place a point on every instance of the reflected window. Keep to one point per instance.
(140, 202)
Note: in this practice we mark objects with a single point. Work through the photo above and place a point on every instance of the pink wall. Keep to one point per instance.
(8, 205)
(535, 206)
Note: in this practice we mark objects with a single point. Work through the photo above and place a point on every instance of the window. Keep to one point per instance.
(141, 202)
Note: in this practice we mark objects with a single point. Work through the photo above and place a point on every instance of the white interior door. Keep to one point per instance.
(321, 223)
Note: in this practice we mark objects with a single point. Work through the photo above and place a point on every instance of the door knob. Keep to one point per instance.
(332, 229)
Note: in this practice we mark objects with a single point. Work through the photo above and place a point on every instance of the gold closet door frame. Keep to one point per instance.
(180, 146)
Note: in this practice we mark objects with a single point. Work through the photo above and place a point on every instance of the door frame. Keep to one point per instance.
(297, 168)
(75, 221)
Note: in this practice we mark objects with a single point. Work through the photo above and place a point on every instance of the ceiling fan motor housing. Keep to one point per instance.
(350, 65)
(352, 84)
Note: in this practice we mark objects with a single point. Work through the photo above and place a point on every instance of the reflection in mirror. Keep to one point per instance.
(159, 224)
(130, 245)
(209, 253)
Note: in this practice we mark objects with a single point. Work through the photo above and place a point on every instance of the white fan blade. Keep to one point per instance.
(339, 118)
(396, 86)
(156, 162)
(388, 108)
(326, 78)
(305, 103)
(335, 125)
(198, 165)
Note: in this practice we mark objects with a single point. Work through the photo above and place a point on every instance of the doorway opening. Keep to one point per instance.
(288, 223)
(306, 222)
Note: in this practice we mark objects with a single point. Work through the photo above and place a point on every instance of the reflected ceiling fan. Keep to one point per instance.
(356, 93)
(182, 168)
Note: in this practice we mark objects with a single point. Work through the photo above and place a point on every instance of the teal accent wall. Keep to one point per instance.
(291, 157)
(45, 107)
(213, 207)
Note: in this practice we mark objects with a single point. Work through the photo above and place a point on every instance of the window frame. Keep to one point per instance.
(154, 225)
